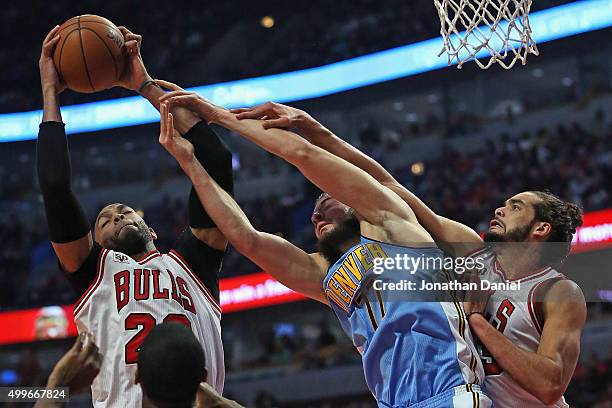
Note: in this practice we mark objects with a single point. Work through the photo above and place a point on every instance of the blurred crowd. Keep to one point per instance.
(287, 347)
(591, 385)
(570, 161)
(177, 40)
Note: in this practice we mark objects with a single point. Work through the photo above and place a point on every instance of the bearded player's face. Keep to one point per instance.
(120, 228)
(514, 220)
(327, 215)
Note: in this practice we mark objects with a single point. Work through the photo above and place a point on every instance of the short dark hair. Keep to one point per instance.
(564, 217)
(321, 197)
(171, 365)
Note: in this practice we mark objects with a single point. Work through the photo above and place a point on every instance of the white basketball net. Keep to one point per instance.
(499, 27)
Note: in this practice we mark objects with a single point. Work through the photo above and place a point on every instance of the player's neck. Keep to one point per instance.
(517, 261)
(149, 247)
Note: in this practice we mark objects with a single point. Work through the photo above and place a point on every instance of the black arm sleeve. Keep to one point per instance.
(86, 275)
(216, 158)
(65, 217)
(203, 260)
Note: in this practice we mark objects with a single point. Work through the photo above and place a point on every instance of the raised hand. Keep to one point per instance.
(49, 78)
(168, 85)
(135, 73)
(475, 301)
(180, 148)
(276, 115)
(78, 367)
(208, 397)
(192, 101)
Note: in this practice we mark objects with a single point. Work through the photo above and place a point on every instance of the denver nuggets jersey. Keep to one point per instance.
(413, 347)
(126, 300)
(515, 314)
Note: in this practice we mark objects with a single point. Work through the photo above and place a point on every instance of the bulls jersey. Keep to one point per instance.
(416, 351)
(126, 298)
(517, 316)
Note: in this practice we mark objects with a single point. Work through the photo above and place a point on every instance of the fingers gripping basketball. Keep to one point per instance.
(89, 56)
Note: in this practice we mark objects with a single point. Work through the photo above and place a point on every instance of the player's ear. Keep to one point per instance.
(153, 234)
(205, 377)
(542, 230)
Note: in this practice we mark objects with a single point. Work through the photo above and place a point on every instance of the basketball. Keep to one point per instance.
(89, 55)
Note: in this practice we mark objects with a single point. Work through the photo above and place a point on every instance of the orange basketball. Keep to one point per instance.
(89, 56)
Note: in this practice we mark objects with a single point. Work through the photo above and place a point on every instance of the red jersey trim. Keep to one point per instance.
(92, 288)
(179, 259)
(471, 254)
(147, 257)
(531, 307)
(536, 316)
(533, 275)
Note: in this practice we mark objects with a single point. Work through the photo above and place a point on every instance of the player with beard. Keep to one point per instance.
(126, 286)
(414, 353)
(530, 339)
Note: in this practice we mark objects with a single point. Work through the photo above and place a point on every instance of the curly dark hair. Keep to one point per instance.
(564, 217)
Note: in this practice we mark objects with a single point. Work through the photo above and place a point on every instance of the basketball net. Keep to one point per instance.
(495, 29)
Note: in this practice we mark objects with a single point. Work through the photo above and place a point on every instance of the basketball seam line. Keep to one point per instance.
(59, 62)
(86, 21)
(107, 49)
(83, 55)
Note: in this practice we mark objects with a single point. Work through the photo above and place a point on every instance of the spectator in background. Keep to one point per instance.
(266, 400)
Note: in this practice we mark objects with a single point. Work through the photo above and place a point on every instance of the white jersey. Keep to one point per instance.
(515, 315)
(126, 300)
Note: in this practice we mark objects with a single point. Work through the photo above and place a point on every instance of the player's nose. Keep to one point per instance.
(118, 217)
(499, 212)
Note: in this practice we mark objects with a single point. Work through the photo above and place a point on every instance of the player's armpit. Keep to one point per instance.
(203, 259)
(72, 254)
(212, 237)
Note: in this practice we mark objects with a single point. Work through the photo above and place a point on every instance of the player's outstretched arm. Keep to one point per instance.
(209, 148)
(136, 78)
(289, 264)
(216, 158)
(76, 370)
(547, 372)
(350, 185)
(68, 226)
(276, 115)
(207, 397)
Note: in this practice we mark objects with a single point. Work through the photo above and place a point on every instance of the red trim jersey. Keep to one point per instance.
(126, 299)
(517, 315)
